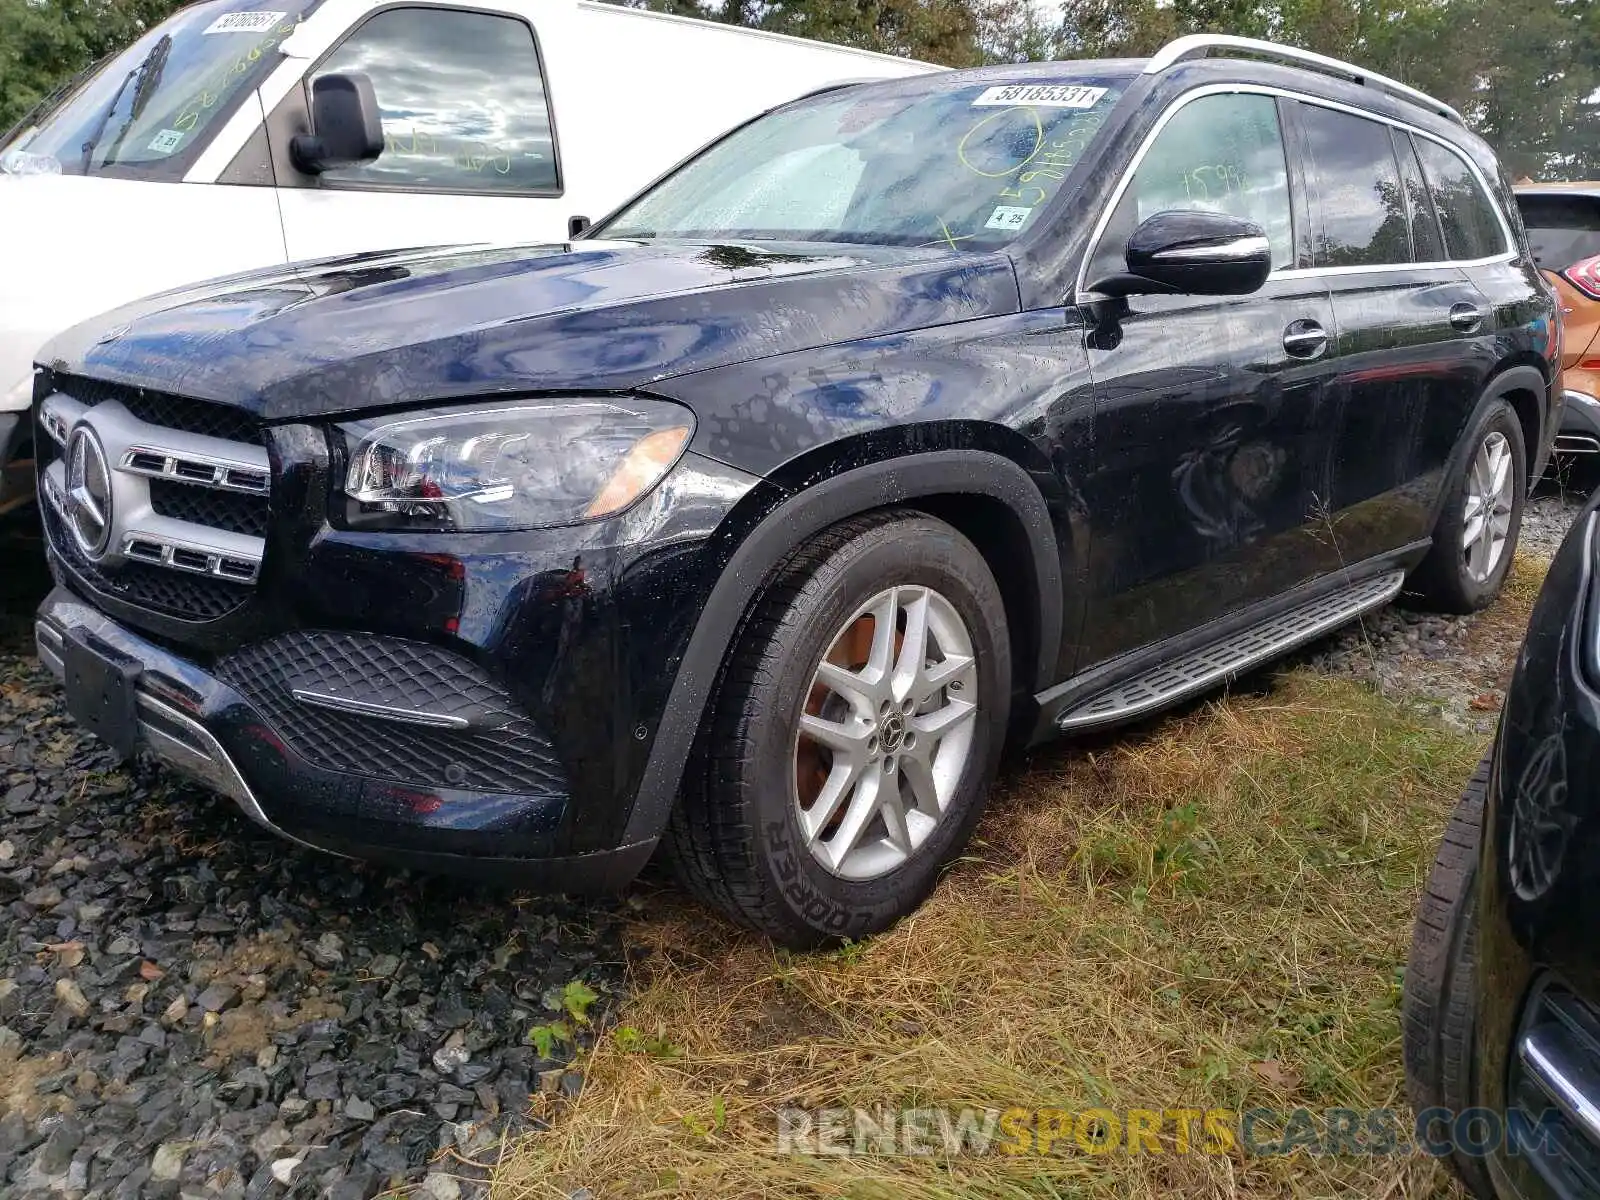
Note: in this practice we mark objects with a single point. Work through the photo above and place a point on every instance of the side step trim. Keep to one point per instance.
(1168, 682)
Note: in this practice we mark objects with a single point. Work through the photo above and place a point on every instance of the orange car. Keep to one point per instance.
(1563, 221)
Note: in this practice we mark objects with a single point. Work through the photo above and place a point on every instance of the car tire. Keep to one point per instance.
(738, 838)
(1448, 579)
(1440, 1003)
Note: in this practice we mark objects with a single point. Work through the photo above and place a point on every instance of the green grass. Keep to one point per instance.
(1213, 913)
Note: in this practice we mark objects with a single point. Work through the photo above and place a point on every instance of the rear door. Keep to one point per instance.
(1408, 318)
(1207, 408)
(469, 153)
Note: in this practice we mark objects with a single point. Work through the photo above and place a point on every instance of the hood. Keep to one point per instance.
(397, 329)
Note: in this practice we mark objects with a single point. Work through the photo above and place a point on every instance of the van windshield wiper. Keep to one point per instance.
(149, 76)
(105, 119)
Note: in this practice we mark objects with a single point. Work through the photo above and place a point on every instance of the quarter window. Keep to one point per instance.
(1361, 213)
(463, 103)
(1471, 229)
(1220, 153)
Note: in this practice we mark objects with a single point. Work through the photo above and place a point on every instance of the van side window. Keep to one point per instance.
(1425, 238)
(1220, 153)
(1358, 213)
(1471, 229)
(462, 99)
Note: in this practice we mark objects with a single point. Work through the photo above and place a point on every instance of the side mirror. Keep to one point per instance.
(578, 226)
(1193, 253)
(345, 126)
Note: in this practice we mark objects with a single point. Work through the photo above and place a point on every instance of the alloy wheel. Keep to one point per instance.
(886, 732)
(1486, 521)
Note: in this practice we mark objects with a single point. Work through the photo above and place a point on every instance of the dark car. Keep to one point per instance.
(904, 422)
(1502, 992)
(1563, 223)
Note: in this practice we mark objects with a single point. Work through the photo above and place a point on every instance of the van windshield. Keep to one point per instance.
(969, 167)
(148, 111)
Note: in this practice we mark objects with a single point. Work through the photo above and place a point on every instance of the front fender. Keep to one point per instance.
(790, 523)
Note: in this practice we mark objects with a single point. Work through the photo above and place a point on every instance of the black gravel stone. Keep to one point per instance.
(193, 1000)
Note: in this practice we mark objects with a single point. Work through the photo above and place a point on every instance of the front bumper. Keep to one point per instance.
(209, 729)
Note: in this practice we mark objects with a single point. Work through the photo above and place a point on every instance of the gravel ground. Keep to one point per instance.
(192, 1007)
(1456, 667)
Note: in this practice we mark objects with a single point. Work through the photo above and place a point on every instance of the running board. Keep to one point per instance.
(1169, 682)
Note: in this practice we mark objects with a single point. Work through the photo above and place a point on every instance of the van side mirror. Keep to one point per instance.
(345, 126)
(1193, 253)
(578, 226)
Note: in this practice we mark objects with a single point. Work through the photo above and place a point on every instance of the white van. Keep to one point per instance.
(192, 153)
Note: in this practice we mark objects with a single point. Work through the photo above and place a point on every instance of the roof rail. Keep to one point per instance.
(1199, 45)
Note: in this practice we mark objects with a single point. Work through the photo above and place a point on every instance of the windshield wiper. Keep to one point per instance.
(100, 126)
(149, 76)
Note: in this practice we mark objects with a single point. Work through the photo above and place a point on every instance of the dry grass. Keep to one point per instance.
(1213, 913)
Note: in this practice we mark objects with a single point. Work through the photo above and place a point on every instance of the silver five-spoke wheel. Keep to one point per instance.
(1487, 519)
(886, 732)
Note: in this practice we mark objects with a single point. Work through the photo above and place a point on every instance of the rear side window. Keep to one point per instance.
(1425, 238)
(1360, 216)
(1562, 230)
(462, 99)
(1471, 228)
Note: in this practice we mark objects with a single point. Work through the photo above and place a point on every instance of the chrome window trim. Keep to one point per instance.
(1081, 290)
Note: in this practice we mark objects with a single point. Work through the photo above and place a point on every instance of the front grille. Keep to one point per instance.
(186, 504)
(1555, 1090)
(234, 511)
(168, 411)
(502, 751)
(178, 594)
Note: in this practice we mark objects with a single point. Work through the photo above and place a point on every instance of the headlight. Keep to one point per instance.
(521, 465)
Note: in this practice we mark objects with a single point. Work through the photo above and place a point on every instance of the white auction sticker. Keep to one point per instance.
(1043, 95)
(167, 141)
(245, 22)
(1007, 217)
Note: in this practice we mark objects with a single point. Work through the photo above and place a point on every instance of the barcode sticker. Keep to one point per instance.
(167, 141)
(1042, 95)
(1007, 217)
(245, 22)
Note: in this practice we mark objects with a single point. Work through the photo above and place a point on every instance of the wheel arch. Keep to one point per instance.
(986, 492)
(1525, 387)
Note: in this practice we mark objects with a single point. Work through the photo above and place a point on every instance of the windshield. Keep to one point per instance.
(148, 110)
(969, 168)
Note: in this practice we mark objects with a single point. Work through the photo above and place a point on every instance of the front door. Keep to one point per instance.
(469, 150)
(1208, 410)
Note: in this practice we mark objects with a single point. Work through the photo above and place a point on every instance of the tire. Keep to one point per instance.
(1445, 581)
(737, 838)
(1440, 1003)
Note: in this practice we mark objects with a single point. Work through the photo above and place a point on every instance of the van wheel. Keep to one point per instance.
(1476, 537)
(1439, 1008)
(852, 735)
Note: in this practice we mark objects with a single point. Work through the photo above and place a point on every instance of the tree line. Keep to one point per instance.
(1524, 73)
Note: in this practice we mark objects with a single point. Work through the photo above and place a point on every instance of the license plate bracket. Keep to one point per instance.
(101, 692)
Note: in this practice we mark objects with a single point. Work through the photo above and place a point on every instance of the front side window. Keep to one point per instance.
(149, 111)
(1220, 154)
(462, 99)
(906, 164)
(1361, 217)
(1471, 228)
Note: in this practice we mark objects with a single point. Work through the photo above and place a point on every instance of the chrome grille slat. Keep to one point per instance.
(144, 456)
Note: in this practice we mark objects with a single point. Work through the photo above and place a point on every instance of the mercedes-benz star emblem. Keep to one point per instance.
(88, 492)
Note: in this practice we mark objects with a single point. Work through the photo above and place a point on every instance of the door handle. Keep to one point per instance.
(1305, 339)
(1466, 317)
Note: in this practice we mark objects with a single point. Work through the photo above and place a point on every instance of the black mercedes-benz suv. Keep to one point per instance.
(905, 421)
